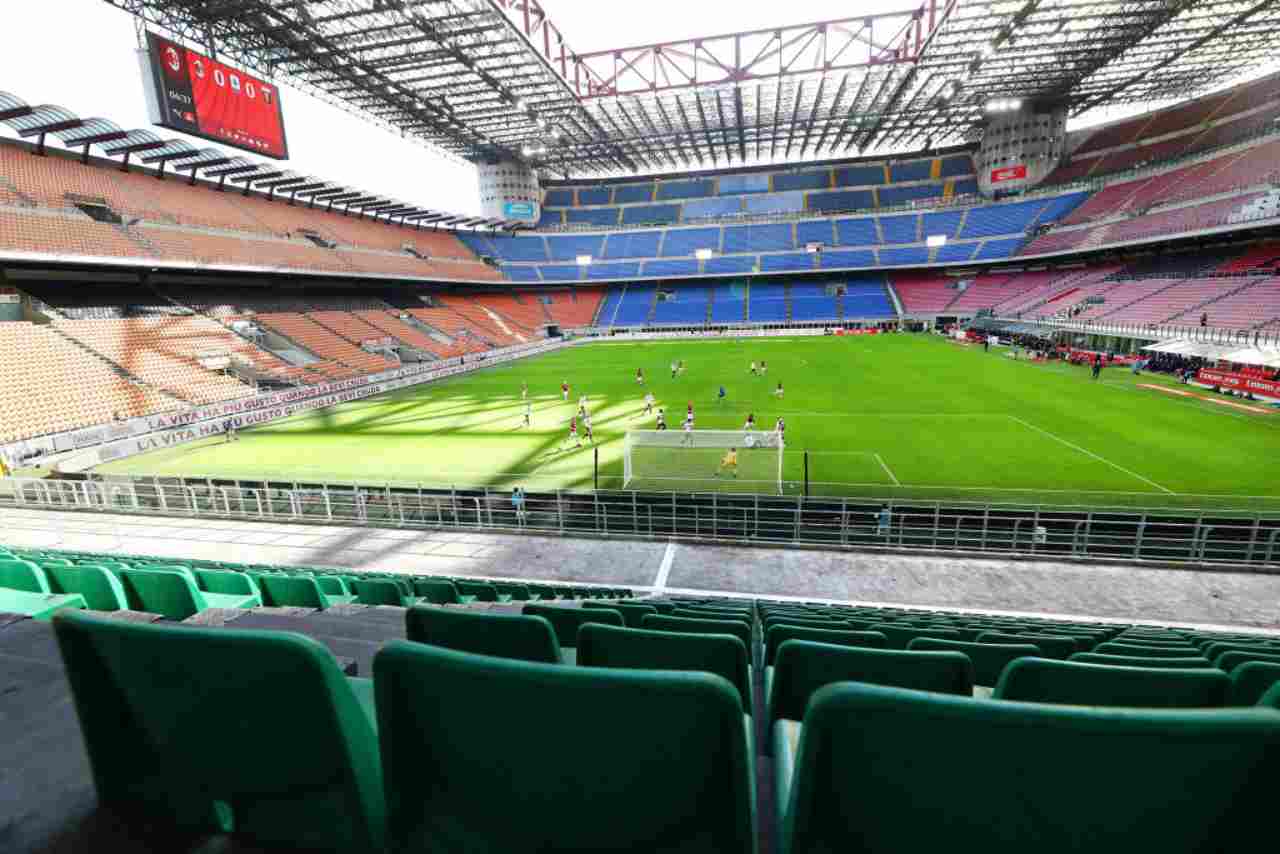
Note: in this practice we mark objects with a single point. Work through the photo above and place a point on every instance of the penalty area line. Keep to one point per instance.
(1089, 453)
(887, 470)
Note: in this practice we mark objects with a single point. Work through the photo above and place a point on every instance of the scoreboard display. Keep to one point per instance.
(203, 97)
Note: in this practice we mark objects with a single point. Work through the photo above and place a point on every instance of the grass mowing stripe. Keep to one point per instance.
(1092, 454)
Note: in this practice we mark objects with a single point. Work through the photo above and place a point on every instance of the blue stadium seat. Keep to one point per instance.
(1012, 218)
(560, 272)
(550, 217)
(953, 252)
(812, 302)
(817, 179)
(730, 264)
(688, 308)
(815, 231)
(609, 307)
(767, 302)
(727, 302)
(673, 190)
(520, 248)
(478, 243)
(521, 273)
(593, 216)
(700, 208)
(912, 170)
(594, 196)
(1059, 206)
(835, 201)
(644, 214)
(630, 194)
(998, 248)
(681, 242)
(773, 237)
(857, 232)
(776, 203)
(567, 247)
(615, 270)
(731, 185)
(633, 309)
(943, 222)
(867, 299)
(558, 198)
(673, 267)
(860, 176)
(633, 244)
(847, 259)
(900, 229)
(890, 196)
(965, 187)
(786, 262)
(954, 167)
(902, 256)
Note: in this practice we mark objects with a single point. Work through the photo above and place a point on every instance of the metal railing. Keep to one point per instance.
(1200, 537)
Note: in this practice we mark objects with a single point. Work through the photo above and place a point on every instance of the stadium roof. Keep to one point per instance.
(214, 164)
(488, 79)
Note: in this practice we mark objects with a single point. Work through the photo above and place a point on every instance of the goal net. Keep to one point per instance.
(674, 459)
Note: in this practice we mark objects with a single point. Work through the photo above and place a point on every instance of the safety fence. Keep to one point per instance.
(1241, 539)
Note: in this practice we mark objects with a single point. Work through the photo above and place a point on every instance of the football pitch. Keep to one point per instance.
(886, 417)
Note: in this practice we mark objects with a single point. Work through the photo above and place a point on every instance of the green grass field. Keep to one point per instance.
(903, 416)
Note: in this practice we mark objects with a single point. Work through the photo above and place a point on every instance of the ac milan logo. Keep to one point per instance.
(172, 59)
(198, 67)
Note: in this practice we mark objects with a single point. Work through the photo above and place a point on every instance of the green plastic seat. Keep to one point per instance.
(436, 591)
(1271, 699)
(243, 596)
(646, 649)
(101, 590)
(883, 770)
(687, 625)
(989, 659)
(1043, 680)
(295, 591)
(1117, 648)
(1229, 661)
(520, 636)
(226, 583)
(334, 587)
(1251, 680)
(567, 621)
(521, 767)
(23, 575)
(1215, 650)
(1050, 646)
(1138, 661)
(477, 591)
(633, 614)
(899, 636)
(802, 667)
(173, 594)
(779, 633)
(174, 717)
(380, 591)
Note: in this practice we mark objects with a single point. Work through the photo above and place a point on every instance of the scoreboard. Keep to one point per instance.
(203, 97)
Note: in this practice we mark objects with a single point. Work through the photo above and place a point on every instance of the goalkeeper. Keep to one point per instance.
(729, 462)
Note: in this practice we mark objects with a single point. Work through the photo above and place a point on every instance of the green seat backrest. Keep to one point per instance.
(1116, 648)
(436, 591)
(332, 585)
(101, 590)
(517, 592)
(521, 636)
(482, 592)
(874, 762)
(166, 592)
(1214, 650)
(377, 591)
(567, 621)
(779, 633)
(1051, 646)
(711, 614)
(226, 582)
(295, 591)
(663, 623)
(989, 659)
(899, 636)
(503, 780)
(802, 667)
(1229, 661)
(23, 575)
(173, 719)
(1251, 680)
(1271, 699)
(1043, 680)
(1138, 661)
(644, 649)
(633, 614)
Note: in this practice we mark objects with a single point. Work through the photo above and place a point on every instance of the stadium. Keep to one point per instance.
(789, 435)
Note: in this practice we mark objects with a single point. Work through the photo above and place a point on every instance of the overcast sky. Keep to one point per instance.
(81, 54)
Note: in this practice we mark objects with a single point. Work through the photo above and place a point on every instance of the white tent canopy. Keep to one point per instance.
(1208, 350)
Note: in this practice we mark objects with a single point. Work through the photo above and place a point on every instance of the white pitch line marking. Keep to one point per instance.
(887, 470)
(664, 568)
(1089, 453)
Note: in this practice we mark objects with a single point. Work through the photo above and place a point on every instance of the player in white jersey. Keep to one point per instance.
(674, 368)
(688, 431)
(781, 429)
(751, 422)
(648, 404)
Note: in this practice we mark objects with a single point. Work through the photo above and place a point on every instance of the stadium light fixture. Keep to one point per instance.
(584, 260)
(702, 254)
(933, 241)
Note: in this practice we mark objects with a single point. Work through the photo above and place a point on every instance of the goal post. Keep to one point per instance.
(674, 459)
